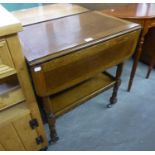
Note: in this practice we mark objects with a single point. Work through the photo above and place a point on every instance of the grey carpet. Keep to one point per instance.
(129, 125)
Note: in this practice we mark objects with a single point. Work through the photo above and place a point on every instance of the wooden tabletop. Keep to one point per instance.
(137, 11)
(54, 38)
(47, 12)
(8, 23)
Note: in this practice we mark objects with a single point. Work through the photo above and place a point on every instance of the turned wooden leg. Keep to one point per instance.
(151, 66)
(113, 98)
(149, 71)
(135, 63)
(53, 132)
(51, 120)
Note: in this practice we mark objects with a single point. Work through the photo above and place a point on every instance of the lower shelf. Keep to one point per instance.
(74, 96)
(10, 93)
(6, 71)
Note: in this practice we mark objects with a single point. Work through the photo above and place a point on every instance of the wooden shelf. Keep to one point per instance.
(10, 93)
(69, 98)
(18, 106)
(6, 71)
(13, 113)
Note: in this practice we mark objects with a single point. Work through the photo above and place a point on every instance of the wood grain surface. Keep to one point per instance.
(57, 37)
(134, 11)
(47, 12)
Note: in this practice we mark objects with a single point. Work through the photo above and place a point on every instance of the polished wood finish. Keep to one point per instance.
(50, 119)
(143, 14)
(66, 100)
(18, 105)
(148, 52)
(134, 11)
(103, 54)
(113, 98)
(68, 54)
(47, 12)
(80, 27)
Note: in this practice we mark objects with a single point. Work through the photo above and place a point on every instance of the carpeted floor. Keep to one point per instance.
(129, 125)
